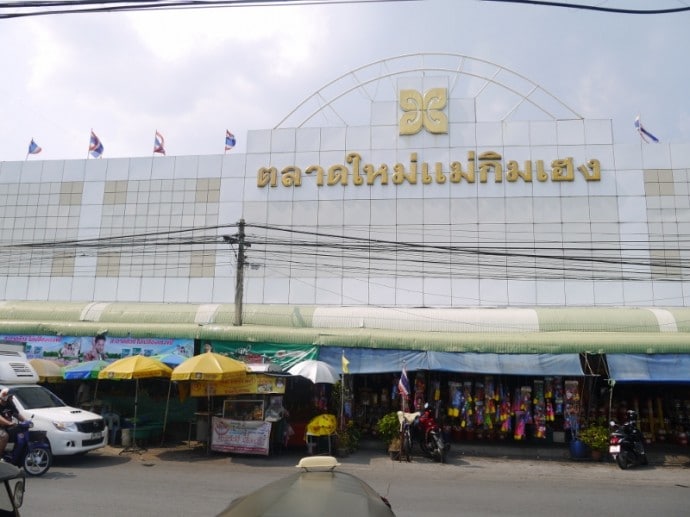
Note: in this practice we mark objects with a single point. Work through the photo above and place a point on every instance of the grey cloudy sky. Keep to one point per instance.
(191, 74)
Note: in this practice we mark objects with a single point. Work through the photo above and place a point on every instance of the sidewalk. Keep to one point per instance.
(659, 455)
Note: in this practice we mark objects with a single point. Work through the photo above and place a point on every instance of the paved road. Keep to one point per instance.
(184, 482)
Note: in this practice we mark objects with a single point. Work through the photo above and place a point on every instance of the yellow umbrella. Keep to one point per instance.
(135, 367)
(47, 370)
(209, 366)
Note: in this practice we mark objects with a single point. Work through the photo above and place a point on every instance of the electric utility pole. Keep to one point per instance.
(239, 273)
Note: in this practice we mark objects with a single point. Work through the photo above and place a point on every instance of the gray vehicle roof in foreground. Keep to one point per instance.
(316, 491)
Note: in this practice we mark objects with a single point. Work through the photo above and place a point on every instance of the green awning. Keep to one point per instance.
(503, 331)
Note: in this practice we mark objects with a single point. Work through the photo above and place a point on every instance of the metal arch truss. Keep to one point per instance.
(480, 74)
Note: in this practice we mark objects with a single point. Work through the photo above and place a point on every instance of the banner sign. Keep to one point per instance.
(285, 356)
(70, 349)
(250, 384)
(241, 436)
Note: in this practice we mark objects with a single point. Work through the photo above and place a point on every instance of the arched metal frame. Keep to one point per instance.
(415, 64)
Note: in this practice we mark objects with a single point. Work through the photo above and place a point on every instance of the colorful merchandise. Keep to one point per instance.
(523, 415)
(479, 405)
(466, 411)
(571, 411)
(539, 410)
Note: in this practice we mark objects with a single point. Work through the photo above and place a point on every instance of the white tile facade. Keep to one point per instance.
(400, 232)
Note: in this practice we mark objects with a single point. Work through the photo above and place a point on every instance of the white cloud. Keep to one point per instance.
(193, 73)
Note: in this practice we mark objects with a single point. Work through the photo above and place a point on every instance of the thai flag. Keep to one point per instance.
(229, 140)
(34, 148)
(643, 132)
(404, 383)
(95, 146)
(158, 144)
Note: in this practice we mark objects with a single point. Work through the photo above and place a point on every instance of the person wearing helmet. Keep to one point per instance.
(8, 414)
(632, 416)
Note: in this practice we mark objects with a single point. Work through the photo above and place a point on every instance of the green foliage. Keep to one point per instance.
(596, 437)
(349, 437)
(388, 427)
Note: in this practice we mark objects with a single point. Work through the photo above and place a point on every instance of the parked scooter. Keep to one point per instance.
(29, 449)
(626, 443)
(429, 435)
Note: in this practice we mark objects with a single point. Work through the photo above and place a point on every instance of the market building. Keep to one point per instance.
(434, 212)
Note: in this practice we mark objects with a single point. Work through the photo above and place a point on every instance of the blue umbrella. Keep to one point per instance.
(86, 370)
(171, 359)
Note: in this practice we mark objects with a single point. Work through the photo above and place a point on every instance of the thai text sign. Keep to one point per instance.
(482, 167)
(250, 384)
(69, 350)
(240, 436)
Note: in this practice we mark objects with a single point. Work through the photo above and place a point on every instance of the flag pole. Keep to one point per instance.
(342, 393)
(402, 395)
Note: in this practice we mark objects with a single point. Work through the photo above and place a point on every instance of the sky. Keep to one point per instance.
(193, 74)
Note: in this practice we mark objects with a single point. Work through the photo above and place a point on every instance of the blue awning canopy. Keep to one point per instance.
(507, 364)
(374, 360)
(649, 367)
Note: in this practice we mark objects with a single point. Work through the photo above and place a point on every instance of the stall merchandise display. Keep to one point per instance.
(539, 403)
(522, 406)
(419, 391)
(571, 408)
(490, 408)
(504, 410)
(662, 419)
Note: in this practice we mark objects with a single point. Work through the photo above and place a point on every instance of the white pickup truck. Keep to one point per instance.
(70, 430)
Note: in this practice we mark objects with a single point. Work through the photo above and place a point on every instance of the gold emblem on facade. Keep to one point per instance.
(423, 111)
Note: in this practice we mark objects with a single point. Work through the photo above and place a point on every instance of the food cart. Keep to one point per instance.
(252, 419)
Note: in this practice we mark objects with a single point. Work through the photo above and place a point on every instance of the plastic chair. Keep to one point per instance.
(112, 420)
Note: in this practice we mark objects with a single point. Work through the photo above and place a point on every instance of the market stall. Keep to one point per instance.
(252, 419)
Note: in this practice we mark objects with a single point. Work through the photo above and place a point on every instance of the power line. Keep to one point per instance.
(307, 250)
(54, 7)
(599, 8)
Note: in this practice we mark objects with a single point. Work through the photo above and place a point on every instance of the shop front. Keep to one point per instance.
(657, 387)
(512, 397)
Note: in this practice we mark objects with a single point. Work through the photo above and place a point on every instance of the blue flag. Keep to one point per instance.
(34, 148)
(404, 383)
(95, 146)
(643, 132)
(229, 140)
(158, 143)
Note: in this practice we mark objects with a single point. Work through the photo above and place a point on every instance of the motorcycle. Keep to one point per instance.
(429, 435)
(29, 449)
(626, 443)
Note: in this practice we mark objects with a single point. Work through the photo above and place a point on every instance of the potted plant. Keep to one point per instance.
(596, 438)
(348, 439)
(388, 429)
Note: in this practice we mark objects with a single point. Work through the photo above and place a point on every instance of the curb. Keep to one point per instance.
(658, 456)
